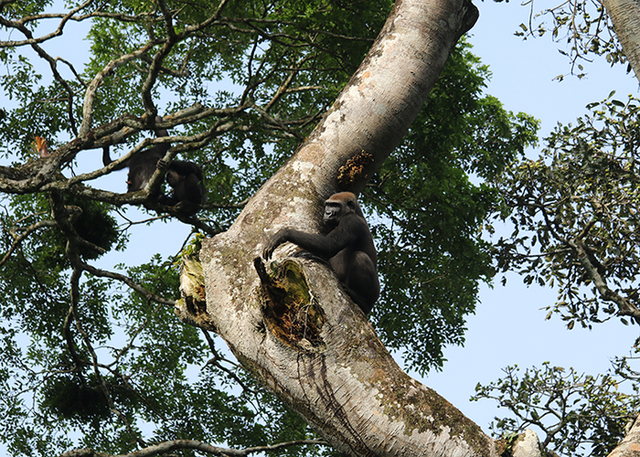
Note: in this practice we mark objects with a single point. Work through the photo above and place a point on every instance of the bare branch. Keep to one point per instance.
(90, 95)
(169, 446)
(129, 282)
(19, 25)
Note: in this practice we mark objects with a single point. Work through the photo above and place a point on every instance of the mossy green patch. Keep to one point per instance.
(291, 313)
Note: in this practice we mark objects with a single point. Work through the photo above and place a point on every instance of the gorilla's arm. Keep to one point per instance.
(345, 234)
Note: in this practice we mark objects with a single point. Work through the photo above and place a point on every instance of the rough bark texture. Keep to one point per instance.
(301, 335)
(527, 445)
(630, 446)
(625, 15)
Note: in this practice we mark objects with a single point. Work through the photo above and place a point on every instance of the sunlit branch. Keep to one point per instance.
(170, 446)
(92, 89)
(19, 25)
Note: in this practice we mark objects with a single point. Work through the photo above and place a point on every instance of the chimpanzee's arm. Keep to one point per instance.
(185, 168)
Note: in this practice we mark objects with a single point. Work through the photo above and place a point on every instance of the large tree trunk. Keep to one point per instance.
(625, 15)
(300, 334)
(330, 366)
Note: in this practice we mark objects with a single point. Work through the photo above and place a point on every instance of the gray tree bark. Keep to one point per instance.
(630, 446)
(304, 339)
(625, 15)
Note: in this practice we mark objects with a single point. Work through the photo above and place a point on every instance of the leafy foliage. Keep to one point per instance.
(579, 414)
(574, 212)
(584, 25)
(434, 194)
(575, 216)
(96, 358)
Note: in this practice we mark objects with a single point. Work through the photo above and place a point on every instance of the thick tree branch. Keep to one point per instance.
(345, 383)
(92, 89)
(630, 446)
(625, 16)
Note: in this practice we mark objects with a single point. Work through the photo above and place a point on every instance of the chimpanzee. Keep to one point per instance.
(185, 178)
(348, 247)
(142, 165)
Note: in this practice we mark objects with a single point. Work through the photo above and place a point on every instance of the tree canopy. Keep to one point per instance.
(93, 354)
(574, 211)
